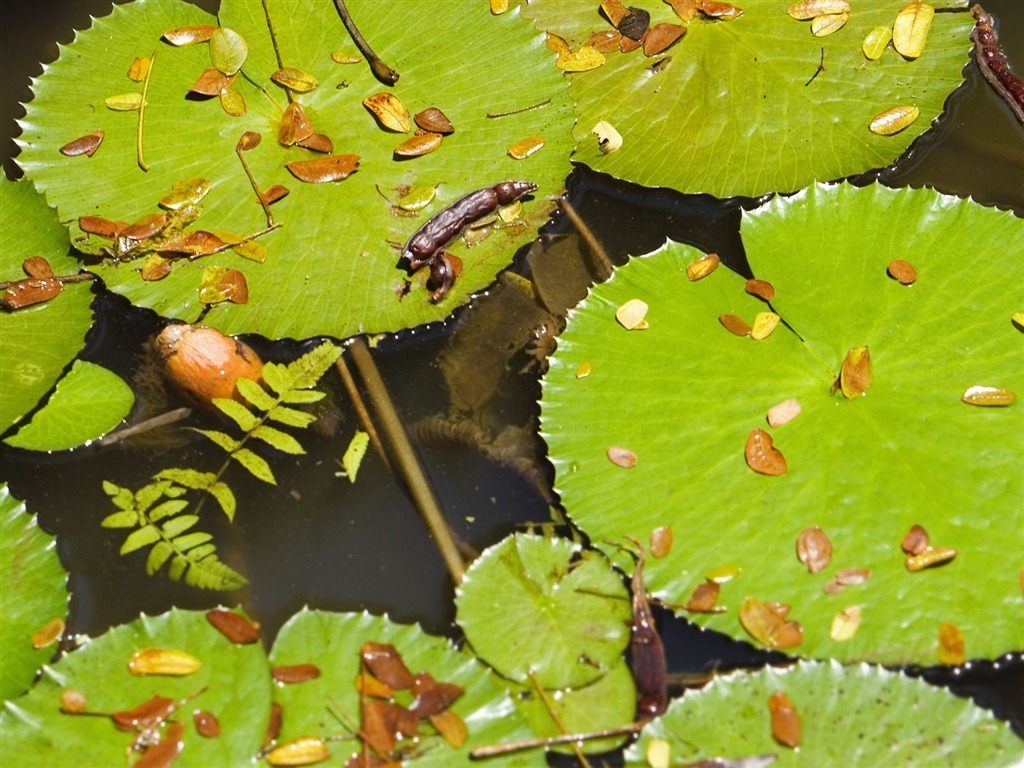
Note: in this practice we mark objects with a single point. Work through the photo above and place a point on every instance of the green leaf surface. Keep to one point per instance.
(735, 111)
(89, 402)
(543, 605)
(332, 267)
(332, 641)
(237, 691)
(685, 394)
(36, 343)
(859, 715)
(32, 592)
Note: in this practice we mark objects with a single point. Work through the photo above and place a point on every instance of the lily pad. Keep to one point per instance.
(233, 684)
(685, 395)
(740, 107)
(542, 606)
(332, 641)
(88, 402)
(859, 715)
(36, 343)
(333, 266)
(33, 593)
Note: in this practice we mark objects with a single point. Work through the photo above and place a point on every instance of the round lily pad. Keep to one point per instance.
(686, 398)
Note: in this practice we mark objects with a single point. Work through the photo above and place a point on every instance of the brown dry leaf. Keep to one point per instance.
(808, 9)
(762, 456)
(855, 376)
(231, 286)
(200, 33)
(765, 324)
(86, 145)
(30, 291)
(147, 714)
(893, 120)
(433, 120)
(988, 396)
(163, 661)
(97, 225)
(702, 267)
(661, 541)
(211, 82)
(760, 288)
(155, 267)
(765, 624)
(432, 696)
(451, 727)
(305, 750)
(952, 648)
(37, 266)
(849, 577)
(721, 11)
(627, 44)
(48, 633)
(845, 623)
(526, 147)
(248, 140)
(929, 557)
(386, 664)
(685, 9)
(420, 144)
(368, 685)
(735, 325)
(784, 412)
(910, 30)
(903, 271)
(234, 626)
(295, 125)
(318, 142)
(631, 315)
(146, 227)
(785, 720)
(916, 540)
(605, 41)
(614, 10)
(274, 193)
(232, 102)
(814, 549)
(324, 169)
(557, 44)
(72, 701)
(389, 111)
(139, 69)
(206, 724)
(823, 26)
(621, 457)
(294, 79)
(704, 598)
(295, 673)
(660, 37)
(197, 243)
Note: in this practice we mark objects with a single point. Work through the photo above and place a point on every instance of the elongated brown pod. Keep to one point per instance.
(993, 65)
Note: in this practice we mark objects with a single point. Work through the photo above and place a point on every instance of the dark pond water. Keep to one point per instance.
(321, 541)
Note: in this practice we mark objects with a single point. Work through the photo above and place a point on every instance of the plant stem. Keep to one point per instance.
(142, 111)
(408, 464)
(495, 750)
(381, 71)
(361, 411)
(558, 720)
(604, 262)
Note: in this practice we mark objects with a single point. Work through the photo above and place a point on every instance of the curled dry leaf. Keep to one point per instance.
(704, 598)
(163, 661)
(721, 11)
(294, 79)
(420, 144)
(902, 271)
(608, 139)
(234, 626)
(48, 633)
(318, 142)
(614, 10)
(910, 30)
(97, 225)
(814, 549)
(762, 456)
(660, 37)
(875, 43)
(222, 284)
(631, 315)
(661, 541)
(760, 288)
(929, 557)
(604, 41)
(212, 82)
(988, 396)
(195, 243)
(139, 69)
(702, 267)
(25, 293)
(155, 267)
(206, 724)
(295, 125)
(451, 727)
(526, 147)
(808, 9)
(386, 664)
(272, 194)
(147, 714)
(764, 325)
(785, 720)
(767, 624)
(72, 701)
(822, 26)
(584, 370)
(735, 325)
(852, 576)
(621, 457)
(916, 540)
(433, 120)
(784, 412)
(86, 145)
(200, 33)
(295, 673)
(845, 623)
(305, 750)
(855, 376)
(893, 120)
(324, 169)
(952, 647)
(37, 266)
(389, 111)
(685, 9)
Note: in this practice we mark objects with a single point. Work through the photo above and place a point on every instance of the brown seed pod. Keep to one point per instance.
(420, 144)
(72, 701)
(203, 363)
(762, 456)
(929, 557)
(814, 549)
(988, 396)
(760, 288)
(295, 673)
(902, 271)
(704, 597)
(661, 541)
(234, 626)
(735, 325)
(621, 457)
(785, 721)
(916, 540)
(86, 145)
(852, 576)
(702, 267)
(206, 724)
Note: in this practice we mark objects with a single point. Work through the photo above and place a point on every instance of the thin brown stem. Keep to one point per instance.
(408, 464)
(142, 111)
(517, 110)
(277, 51)
(229, 246)
(604, 261)
(81, 277)
(381, 71)
(558, 720)
(255, 187)
(362, 413)
(494, 750)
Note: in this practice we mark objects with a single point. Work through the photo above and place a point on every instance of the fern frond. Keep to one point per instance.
(203, 481)
(290, 417)
(257, 465)
(282, 441)
(237, 412)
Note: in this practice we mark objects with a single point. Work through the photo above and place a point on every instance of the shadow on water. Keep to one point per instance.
(319, 540)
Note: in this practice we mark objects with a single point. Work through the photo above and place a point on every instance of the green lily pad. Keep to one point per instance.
(733, 108)
(36, 343)
(848, 716)
(332, 267)
(88, 402)
(532, 604)
(33, 593)
(685, 395)
(233, 684)
(332, 641)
